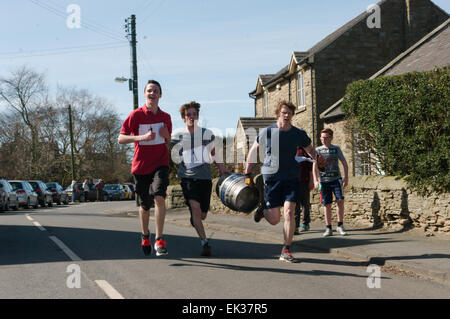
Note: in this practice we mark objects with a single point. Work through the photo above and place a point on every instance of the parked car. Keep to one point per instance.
(25, 193)
(11, 197)
(79, 194)
(128, 192)
(3, 196)
(44, 195)
(114, 191)
(58, 193)
(133, 190)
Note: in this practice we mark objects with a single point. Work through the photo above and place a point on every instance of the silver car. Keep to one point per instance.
(11, 200)
(25, 193)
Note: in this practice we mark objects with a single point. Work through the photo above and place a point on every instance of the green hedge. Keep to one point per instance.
(405, 120)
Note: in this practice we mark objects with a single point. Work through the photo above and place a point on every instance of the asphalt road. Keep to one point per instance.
(90, 251)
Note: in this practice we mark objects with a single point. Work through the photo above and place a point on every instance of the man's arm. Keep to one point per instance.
(315, 168)
(127, 139)
(311, 152)
(251, 158)
(345, 181)
(222, 169)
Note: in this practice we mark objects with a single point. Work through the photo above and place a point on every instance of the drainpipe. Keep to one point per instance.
(254, 103)
(313, 118)
(309, 63)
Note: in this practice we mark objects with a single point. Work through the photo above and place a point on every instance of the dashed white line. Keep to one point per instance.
(108, 289)
(35, 223)
(65, 249)
(103, 284)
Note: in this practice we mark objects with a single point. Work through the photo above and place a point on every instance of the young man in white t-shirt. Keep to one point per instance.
(195, 146)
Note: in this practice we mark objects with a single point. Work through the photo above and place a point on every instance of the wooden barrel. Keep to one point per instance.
(235, 194)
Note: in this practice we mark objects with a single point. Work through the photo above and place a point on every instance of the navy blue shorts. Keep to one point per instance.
(327, 190)
(278, 192)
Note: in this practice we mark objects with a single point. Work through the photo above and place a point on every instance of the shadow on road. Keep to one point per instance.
(28, 245)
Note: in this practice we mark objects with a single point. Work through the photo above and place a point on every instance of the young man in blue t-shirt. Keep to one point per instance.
(279, 143)
(331, 180)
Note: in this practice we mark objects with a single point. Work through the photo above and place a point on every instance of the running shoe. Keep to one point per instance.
(287, 257)
(160, 247)
(206, 250)
(296, 231)
(341, 230)
(328, 232)
(305, 227)
(259, 214)
(146, 246)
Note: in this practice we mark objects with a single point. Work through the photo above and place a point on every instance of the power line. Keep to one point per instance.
(87, 25)
(94, 24)
(61, 51)
(153, 12)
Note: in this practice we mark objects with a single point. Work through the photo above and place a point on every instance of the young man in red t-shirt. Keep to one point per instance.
(149, 128)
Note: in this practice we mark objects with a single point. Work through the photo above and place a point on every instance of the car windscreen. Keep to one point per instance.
(112, 187)
(34, 185)
(16, 185)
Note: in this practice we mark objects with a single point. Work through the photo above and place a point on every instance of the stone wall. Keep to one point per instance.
(175, 198)
(384, 201)
(370, 201)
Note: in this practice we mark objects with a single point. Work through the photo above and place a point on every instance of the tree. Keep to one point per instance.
(24, 91)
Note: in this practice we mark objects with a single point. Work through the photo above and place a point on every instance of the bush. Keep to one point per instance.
(405, 121)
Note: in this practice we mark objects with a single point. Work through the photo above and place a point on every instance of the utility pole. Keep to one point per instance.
(71, 144)
(130, 28)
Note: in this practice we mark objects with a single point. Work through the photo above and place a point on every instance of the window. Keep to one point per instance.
(361, 154)
(365, 161)
(301, 89)
(266, 104)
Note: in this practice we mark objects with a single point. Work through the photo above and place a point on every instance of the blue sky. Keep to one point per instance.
(204, 50)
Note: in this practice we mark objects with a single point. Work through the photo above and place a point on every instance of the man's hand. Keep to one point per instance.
(164, 132)
(316, 184)
(248, 180)
(345, 182)
(149, 136)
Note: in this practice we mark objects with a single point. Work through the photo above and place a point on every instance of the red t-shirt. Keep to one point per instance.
(148, 156)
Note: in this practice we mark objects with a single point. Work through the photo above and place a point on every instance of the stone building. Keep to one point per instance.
(315, 79)
(433, 50)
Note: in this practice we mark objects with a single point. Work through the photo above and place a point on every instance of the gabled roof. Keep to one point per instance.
(433, 50)
(298, 57)
(266, 80)
(255, 123)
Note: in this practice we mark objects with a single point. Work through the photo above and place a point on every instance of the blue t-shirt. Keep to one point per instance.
(280, 148)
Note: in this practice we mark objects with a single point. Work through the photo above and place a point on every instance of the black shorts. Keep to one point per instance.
(151, 185)
(198, 190)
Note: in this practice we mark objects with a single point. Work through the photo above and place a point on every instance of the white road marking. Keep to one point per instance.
(65, 249)
(35, 223)
(103, 284)
(109, 290)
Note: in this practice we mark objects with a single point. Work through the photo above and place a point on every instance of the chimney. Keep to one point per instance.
(421, 17)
